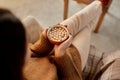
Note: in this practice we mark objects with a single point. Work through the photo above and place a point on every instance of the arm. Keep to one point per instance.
(65, 60)
(42, 46)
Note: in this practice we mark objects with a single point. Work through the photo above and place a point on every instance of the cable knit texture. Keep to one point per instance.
(42, 47)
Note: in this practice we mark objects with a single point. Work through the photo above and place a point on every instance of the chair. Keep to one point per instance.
(105, 5)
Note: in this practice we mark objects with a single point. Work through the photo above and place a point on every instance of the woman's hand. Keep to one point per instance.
(61, 48)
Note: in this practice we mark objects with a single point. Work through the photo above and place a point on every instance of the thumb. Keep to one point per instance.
(66, 43)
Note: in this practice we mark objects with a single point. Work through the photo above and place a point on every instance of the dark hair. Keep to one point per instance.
(12, 46)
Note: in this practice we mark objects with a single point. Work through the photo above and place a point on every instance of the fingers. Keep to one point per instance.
(60, 49)
(45, 32)
(67, 43)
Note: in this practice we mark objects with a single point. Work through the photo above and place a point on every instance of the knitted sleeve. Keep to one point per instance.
(66, 68)
(42, 46)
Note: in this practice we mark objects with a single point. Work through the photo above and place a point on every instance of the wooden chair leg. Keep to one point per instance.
(104, 11)
(66, 2)
(100, 21)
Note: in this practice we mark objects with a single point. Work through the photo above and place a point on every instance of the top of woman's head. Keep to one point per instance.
(12, 41)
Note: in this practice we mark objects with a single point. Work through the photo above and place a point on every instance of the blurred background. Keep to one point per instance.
(50, 12)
